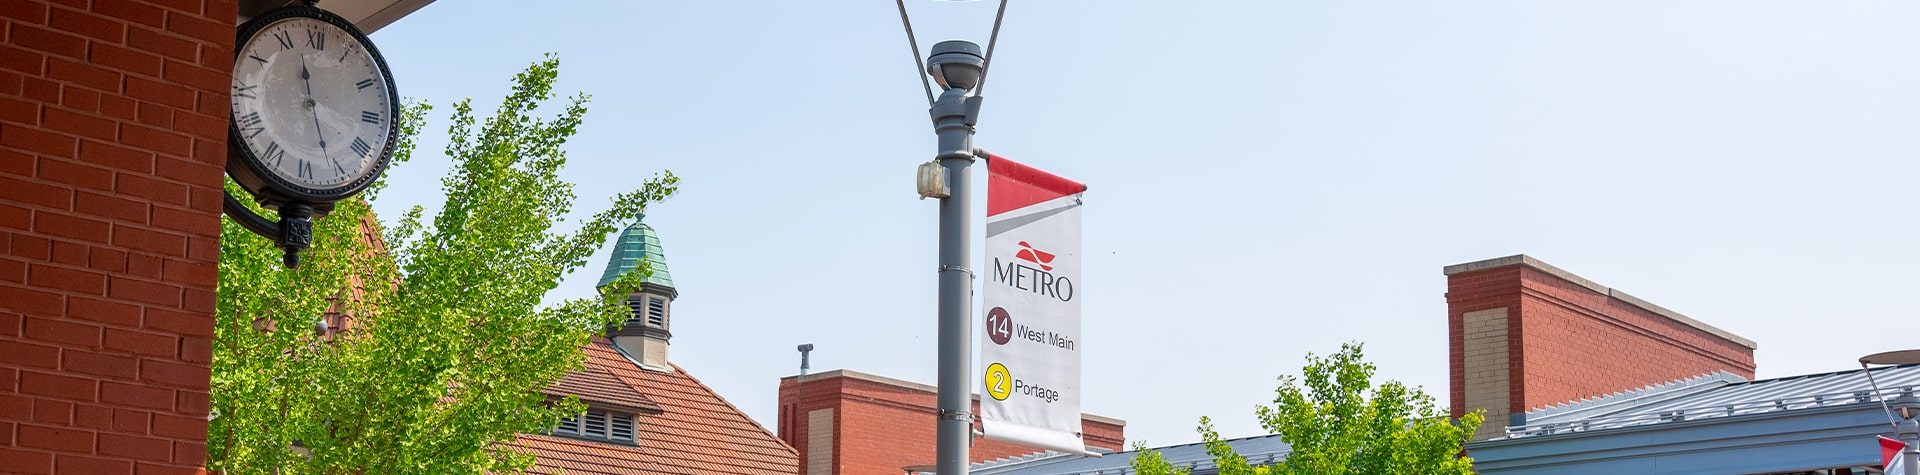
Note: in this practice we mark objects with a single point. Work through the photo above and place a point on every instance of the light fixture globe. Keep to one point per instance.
(1906, 406)
(956, 64)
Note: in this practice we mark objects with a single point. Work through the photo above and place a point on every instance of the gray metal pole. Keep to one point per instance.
(1909, 432)
(956, 65)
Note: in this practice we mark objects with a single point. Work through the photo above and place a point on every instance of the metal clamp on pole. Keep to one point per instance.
(956, 415)
(958, 268)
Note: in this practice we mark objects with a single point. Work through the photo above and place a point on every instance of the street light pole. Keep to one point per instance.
(1907, 406)
(1910, 433)
(957, 66)
(1908, 430)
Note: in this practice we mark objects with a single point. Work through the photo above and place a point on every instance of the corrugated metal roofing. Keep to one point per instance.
(1714, 395)
(1258, 450)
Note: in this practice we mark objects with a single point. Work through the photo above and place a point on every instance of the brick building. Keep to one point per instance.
(847, 422)
(1523, 335)
(113, 136)
(1579, 378)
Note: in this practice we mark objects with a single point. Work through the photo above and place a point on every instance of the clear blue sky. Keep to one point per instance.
(1269, 178)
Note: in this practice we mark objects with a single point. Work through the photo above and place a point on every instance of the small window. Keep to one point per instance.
(656, 312)
(622, 429)
(638, 310)
(598, 425)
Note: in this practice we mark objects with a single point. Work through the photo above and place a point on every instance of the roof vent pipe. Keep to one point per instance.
(805, 349)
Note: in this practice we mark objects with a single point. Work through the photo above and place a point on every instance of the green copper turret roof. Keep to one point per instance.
(637, 242)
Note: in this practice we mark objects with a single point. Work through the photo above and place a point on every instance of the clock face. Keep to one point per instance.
(313, 104)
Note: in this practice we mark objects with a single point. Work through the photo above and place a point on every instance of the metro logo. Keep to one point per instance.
(1036, 256)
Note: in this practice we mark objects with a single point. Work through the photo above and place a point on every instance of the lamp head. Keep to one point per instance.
(956, 64)
(1907, 406)
(1897, 357)
(805, 347)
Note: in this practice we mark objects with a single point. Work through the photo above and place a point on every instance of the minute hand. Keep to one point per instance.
(313, 106)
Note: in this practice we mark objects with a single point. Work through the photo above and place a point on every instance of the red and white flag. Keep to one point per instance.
(1890, 455)
(1032, 294)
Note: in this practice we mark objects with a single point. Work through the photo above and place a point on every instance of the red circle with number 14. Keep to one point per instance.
(999, 326)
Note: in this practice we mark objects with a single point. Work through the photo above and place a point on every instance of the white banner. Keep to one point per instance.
(1031, 346)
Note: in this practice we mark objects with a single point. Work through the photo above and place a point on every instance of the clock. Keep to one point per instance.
(315, 113)
(314, 120)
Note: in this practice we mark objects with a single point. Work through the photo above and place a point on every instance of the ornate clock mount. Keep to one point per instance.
(293, 232)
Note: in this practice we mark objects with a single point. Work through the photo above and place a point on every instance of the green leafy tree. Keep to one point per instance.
(451, 345)
(1339, 422)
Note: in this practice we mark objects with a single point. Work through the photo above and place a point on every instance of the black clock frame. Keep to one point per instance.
(298, 204)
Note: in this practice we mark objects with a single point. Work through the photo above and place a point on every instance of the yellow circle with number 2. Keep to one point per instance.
(999, 382)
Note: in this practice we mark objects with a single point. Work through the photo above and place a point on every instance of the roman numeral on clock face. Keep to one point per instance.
(286, 39)
(370, 117)
(250, 124)
(273, 154)
(361, 147)
(317, 39)
(244, 91)
(306, 169)
(363, 84)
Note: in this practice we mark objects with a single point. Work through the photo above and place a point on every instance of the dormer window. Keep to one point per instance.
(598, 425)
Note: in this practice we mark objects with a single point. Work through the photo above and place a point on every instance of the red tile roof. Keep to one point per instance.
(599, 388)
(561, 455)
(698, 432)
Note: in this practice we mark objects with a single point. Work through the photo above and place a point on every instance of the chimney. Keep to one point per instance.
(645, 335)
(805, 349)
(1525, 335)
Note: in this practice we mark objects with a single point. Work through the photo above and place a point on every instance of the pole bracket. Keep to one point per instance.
(945, 268)
(956, 415)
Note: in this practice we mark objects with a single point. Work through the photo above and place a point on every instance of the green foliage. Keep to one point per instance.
(1148, 461)
(1339, 422)
(451, 346)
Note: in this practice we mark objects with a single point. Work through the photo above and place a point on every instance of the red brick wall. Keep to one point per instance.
(1578, 343)
(1568, 340)
(882, 427)
(113, 128)
(1492, 288)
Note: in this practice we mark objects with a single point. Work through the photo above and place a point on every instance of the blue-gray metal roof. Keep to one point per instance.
(1258, 450)
(1710, 424)
(1716, 395)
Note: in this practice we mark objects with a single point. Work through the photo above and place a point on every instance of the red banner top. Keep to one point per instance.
(1013, 185)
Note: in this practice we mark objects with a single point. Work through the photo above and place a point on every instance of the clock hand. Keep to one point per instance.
(312, 105)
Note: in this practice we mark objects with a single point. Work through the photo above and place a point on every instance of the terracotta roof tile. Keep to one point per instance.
(580, 457)
(600, 388)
